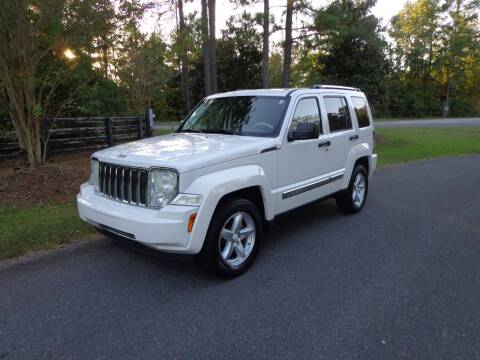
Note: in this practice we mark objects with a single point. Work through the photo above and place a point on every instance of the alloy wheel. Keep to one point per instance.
(237, 239)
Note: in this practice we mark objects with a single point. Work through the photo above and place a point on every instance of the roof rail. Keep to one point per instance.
(338, 87)
(291, 91)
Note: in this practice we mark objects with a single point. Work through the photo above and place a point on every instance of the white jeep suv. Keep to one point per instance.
(238, 160)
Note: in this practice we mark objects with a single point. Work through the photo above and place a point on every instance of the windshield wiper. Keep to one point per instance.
(209, 131)
(190, 131)
(219, 131)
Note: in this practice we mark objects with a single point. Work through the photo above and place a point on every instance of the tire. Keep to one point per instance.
(352, 200)
(230, 231)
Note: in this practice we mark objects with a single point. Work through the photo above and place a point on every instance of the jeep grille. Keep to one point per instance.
(125, 184)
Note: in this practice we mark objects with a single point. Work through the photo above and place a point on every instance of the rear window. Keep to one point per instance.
(361, 111)
(338, 113)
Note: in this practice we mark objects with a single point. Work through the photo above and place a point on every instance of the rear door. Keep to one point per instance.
(343, 130)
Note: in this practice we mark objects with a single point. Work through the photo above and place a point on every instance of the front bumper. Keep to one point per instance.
(164, 229)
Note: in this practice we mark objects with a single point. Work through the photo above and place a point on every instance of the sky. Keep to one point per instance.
(384, 9)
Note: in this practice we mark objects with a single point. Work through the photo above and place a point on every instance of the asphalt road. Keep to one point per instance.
(401, 280)
(450, 122)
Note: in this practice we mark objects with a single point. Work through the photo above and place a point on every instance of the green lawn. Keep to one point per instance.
(45, 227)
(410, 144)
(158, 132)
(38, 228)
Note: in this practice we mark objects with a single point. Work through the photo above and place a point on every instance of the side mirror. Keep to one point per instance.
(304, 131)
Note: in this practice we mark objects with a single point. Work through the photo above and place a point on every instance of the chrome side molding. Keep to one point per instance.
(311, 186)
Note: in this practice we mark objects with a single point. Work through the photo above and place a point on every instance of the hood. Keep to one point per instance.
(183, 151)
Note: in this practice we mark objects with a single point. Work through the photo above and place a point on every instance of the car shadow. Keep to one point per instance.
(285, 227)
(302, 219)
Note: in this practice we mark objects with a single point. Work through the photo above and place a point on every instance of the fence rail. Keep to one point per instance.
(67, 135)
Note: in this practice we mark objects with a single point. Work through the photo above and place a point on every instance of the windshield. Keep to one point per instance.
(239, 115)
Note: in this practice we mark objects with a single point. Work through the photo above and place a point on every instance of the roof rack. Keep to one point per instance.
(338, 87)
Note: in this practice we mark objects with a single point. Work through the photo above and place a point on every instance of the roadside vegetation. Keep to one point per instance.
(30, 222)
(89, 58)
(158, 132)
(410, 144)
(39, 227)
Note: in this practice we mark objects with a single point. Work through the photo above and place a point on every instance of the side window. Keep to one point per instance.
(307, 111)
(338, 113)
(360, 106)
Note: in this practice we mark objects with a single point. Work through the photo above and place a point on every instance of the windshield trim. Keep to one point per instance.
(274, 135)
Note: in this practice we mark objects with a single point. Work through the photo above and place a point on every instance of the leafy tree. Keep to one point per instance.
(416, 32)
(34, 39)
(459, 74)
(240, 54)
(347, 48)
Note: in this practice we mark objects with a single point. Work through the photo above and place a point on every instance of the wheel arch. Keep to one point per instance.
(359, 154)
(251, 193)
(249, 182)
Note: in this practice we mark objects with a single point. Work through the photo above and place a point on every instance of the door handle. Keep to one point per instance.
(354, 137)
(324, 143)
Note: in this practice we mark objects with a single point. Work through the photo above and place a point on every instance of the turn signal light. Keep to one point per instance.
(191, 221)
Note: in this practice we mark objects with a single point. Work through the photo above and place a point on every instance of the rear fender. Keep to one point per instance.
(355, 153)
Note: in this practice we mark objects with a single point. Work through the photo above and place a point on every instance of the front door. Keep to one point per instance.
(303, 164)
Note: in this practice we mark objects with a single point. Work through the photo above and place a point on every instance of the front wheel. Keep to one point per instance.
(352, 199)
(233, 239)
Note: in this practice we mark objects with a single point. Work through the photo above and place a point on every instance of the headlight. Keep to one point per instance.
(94, 178)
(162, 187)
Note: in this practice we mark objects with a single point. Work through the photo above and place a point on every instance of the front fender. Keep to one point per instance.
(214, 186)
(355, 153)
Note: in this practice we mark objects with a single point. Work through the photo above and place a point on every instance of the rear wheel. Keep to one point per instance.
(233, 238)
(352, 199)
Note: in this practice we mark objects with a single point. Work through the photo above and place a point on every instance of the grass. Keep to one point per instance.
(38, 227)
(158, 132)
(43, 227)
(410, 144)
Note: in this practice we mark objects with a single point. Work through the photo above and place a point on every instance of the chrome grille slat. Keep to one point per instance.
(122, 190)
(139, 173)
(124, 183)
(130, 186)
(109, 183)
(115, 192)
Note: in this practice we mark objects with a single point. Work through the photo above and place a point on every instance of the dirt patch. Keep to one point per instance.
(56, 181)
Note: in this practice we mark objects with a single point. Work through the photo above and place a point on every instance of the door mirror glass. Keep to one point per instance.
(304, 131)
(306, 120)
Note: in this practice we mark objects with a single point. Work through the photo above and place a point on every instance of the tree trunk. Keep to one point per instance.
(20, 96)
(34, 144)
(206, 50)
(213, 48)
(184, 83)
(27, 129)
(266, 39)
(287, 54)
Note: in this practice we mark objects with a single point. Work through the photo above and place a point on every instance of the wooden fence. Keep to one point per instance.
(66, 135)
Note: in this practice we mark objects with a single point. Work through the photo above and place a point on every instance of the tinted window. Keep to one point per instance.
(338, 113)
(306, 111)
(240, 115)
(361, 111)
